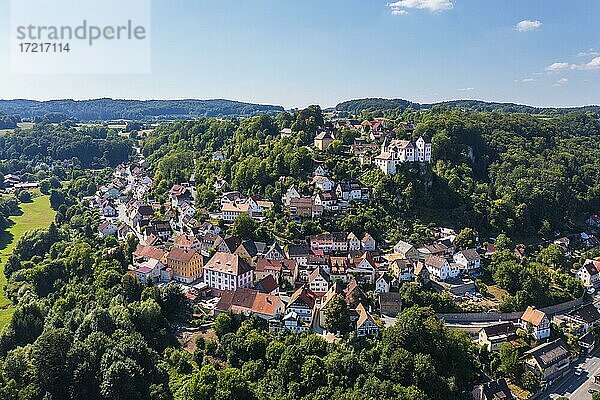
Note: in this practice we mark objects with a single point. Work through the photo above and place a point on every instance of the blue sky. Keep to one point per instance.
(296, 53)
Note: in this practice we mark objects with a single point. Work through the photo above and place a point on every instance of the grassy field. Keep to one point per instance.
(37, 214)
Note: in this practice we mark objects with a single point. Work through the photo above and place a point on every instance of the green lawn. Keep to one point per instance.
(37, 214)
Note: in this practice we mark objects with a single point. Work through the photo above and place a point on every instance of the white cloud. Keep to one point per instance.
(594, 64)
(561, 82)
(525, 80)
(588, 53)
(558, 66)
(563, 66)
(467, 89)
(528, 25)
(400, 7)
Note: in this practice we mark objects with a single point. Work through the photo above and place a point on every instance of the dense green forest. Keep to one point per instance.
(378, 105)
(45, 146)
(109, 109)
(8, 121)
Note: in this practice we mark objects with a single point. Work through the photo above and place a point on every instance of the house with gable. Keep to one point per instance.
(368, 243)
(303, 303)
(228, 272)
(536, 322)
(318, 281)
(589, 274)
(323, 140)
(493, 390)
(493, 336)
(275, 252)
(180, 194)
(383, 283)
(363, 268)
(321, 170)
(107, 228)
(403, 269)
(327, 200)
(189, 242)
(291, 194)
(294, 323)
(406, 250)
(549, 361)
(354, 243)
(365, 325)
(323, 183)
(440, 269)
(469, 260)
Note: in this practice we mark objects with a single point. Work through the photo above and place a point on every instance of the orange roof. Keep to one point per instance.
(228, 263)
(148, 252)
(304, 294)
(248, 301)
(182, 255)
(533, 316)
(363, 316)
(185, 240)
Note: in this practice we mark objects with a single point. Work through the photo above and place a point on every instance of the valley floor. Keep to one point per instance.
(36, 214)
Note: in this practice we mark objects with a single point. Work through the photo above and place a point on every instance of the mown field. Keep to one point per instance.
(36, 214)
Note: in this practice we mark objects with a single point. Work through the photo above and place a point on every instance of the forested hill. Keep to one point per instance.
(109, 109)
(355, 107)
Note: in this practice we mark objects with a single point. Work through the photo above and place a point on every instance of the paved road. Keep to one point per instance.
(576, 387)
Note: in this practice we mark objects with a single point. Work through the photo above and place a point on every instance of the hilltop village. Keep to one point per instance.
(295, 285)
(307, 254)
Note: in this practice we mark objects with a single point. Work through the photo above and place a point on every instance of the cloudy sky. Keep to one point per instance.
(295, 53)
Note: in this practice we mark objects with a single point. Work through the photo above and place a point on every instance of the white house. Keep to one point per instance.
(537, 321)
(469, 260)
(368, 243)
(149, 270)
(352, 191)
(318, 281)
(403, 269)
(354, 243)
(440, 269)
(230, 211)
(321, 170)
(327, 200)
(365, 325)
(294, 323)
(363, 268)
(228, 272)
(589, 274)
(289, 195)
(383, 283)
(406, 250)
(323, 183)
(108, 210)
(302, 303)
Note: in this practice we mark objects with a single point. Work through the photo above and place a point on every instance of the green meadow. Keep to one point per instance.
(36, 214)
